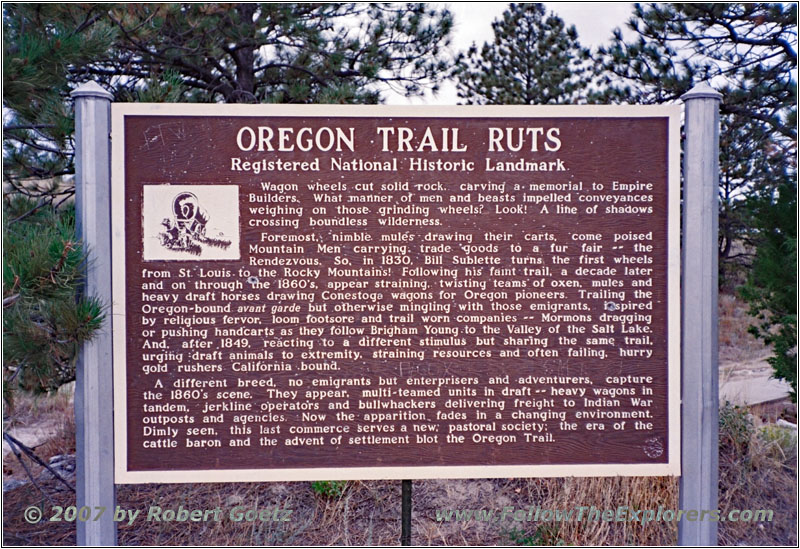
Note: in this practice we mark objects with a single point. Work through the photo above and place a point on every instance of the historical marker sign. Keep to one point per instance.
(318, 292)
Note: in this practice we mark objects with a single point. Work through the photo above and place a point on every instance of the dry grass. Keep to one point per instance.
(29, 409)
(757, 471)
(45, 423)
(610, 493)
(736, 344)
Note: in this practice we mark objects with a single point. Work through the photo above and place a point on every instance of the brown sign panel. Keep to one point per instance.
(374, 292)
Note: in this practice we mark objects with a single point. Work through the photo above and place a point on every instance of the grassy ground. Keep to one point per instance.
(758, 470)
(736, 344)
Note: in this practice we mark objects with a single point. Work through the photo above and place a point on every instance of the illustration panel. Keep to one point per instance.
(190, 222)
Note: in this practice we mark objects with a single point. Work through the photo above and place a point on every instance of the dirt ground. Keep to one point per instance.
(753, 473)
(368, 512)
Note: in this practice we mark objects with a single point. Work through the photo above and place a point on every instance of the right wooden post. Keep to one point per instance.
(699, 285)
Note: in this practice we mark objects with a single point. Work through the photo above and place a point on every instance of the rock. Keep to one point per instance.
(63, 464)
(13, 484)
(233, 500)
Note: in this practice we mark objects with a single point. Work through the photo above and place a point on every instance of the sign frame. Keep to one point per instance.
(673, 307)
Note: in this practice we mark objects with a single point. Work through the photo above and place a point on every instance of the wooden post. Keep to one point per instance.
(94, 419)
(699, 361)
(405, 512)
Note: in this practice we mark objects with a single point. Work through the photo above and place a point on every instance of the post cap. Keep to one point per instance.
(91, 89)
(702, 91)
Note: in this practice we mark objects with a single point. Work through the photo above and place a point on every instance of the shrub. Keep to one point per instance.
(45, 319)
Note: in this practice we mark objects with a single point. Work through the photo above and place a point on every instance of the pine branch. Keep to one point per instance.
(17, 454)
(30, 453)
(43, 202)
(28, 127)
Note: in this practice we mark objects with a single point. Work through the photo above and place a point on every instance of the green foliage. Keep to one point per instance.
(748, 52)
(543, 535)
(329, 488)
(735, 429)
(741, 442)
(163, 86)
(746, 166)
(207, 52)
(43, 322)
(534, 60)
(44, 47)
(781, 442)
(750, 48)
(256, 52)
(771, 288)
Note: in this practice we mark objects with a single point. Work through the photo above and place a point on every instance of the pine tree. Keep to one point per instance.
(534, 60)
(41, 44)
(233, 53)
(44, 324)
(748, 52)
(283, 53)
(247, 52)
(771, 288)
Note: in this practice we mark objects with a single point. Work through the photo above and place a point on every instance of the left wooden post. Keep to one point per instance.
(94, 412)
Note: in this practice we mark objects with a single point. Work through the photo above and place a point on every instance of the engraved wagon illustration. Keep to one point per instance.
(187, 228)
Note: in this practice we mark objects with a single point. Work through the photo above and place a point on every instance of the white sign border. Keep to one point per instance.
(118, 309)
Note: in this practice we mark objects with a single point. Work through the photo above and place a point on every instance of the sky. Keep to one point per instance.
(594, 22)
